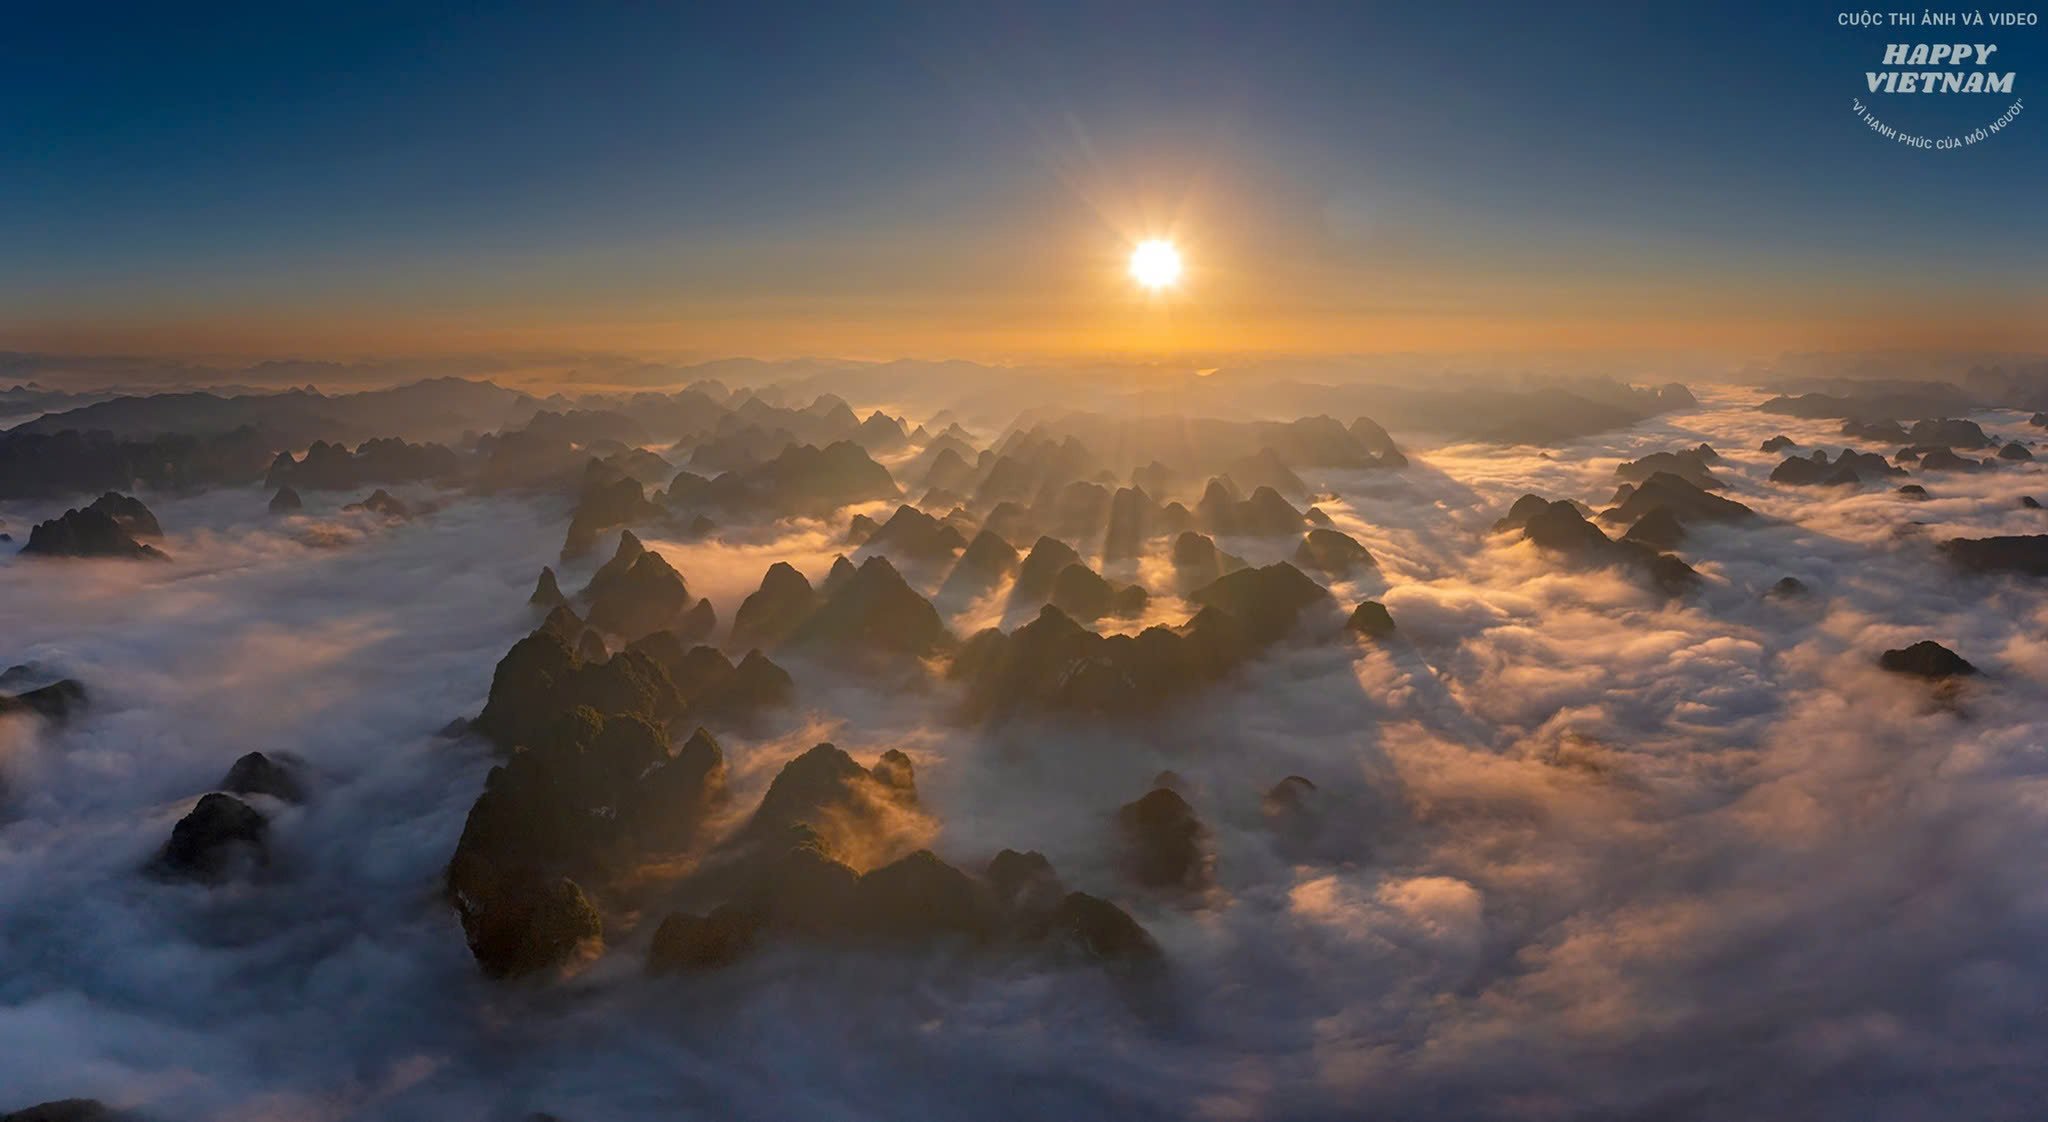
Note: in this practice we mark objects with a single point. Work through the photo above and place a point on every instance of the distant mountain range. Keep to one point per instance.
(440, 409)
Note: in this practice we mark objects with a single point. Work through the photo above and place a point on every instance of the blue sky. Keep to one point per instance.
(921, 177)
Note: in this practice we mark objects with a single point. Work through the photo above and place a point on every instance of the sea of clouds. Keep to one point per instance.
(1593, 854)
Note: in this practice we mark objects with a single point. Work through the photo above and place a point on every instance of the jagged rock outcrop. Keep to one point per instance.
(1300, 817)
(1805, 471)
(686, 942)
(1659, 529)
(1690, 464)
(637, 592)
(1878, 431)
(1787, 588)
(1558, 527)
(963, 521)
(1332, 551)
(86, 533)
(916, 898)
(1197, 561)
(1286, 798)
(541, 680)
(129, 513)
(220, 835)
(1265, 468)
(987, 560)
(2026, 554)
(874, 610)
(710, 686)
(1265, 602)
(1156, 479)
(881, 433)
(2014, 450)
(1375, 440)
(949, 471)
(1522, 510)
(1941, 459)
(912, 534)
(1371, 620)
(1012, 521)
(1848, 469)
(382, 502)
(547, 592)
(608, 500)
(1024, 882)
(1947, 432)
(860, 528)
(684, 489)
(787, 872)
(1004, 478)
(1033, 468)
(1083, 594)
(286, 501)
(1926, 659)
(258, 774)
(791, 874)
(36, 464)
(755, 685)
(516, 928)
(658, 678)
(1132, 518)
(1686, 502)
(590, 798)
(1049, 557)
(842, 804)
(533, 458)
(2029, 502)
(799, 889)
(1103, 931)
(1053, 664)
(329, 466)
(649, 469)
(56, 701)
(772, 611)
(1264, 514)
(921, 897)
(802, 479)
(1079, 510)
(836, 577)
(739, 447)
(562, 621)
(1163, 843)
(22, 673)
(1777, 443)
(1913, 491)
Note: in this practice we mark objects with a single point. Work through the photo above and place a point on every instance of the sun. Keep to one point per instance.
(1155, 264)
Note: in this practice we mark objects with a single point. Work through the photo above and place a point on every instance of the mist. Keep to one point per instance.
(1596, 852)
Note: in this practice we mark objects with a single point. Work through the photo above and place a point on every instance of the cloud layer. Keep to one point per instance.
(1597, 854)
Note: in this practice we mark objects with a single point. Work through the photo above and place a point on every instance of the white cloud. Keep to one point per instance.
(1601, 852)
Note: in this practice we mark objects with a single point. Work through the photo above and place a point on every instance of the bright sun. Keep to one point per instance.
(1155, 263)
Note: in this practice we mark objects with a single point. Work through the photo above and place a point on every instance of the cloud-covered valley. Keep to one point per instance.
(1575, 847)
